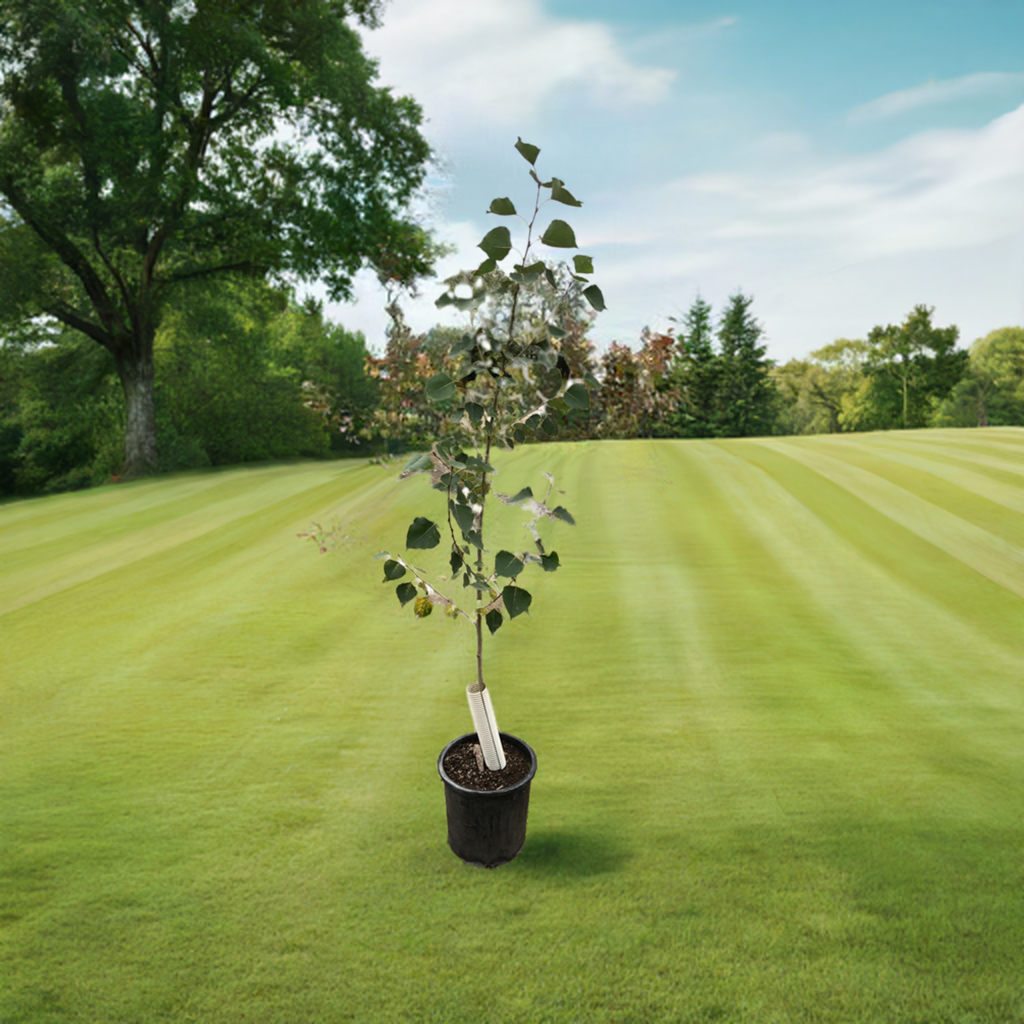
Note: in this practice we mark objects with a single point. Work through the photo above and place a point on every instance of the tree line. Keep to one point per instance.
(245, 372)
(711, 377)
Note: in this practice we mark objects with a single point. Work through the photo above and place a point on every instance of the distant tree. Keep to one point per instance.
(403, 417)
(332, 365)
(911, 369)
(991, 392)
(842, 364)
(815, 393)
(232, 361)
(621, 408)
(796, 412)
(745, 395)
(695, 372)
(143, 145)
(62, 412)
(633, 401)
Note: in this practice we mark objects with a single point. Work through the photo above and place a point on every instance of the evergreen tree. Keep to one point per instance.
(695, 374)
(745, 396)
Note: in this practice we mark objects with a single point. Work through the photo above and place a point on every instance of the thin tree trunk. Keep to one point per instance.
(480, 648)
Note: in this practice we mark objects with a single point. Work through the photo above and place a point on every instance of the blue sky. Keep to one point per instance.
(840, 162)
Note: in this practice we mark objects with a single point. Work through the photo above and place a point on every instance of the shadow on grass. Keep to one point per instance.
(571, 854)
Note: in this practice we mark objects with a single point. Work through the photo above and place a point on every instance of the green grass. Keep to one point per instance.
(775, 691)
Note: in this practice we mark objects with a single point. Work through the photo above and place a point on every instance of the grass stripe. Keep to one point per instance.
(990, 555)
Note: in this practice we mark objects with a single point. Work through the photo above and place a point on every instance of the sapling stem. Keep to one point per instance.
(479, 644)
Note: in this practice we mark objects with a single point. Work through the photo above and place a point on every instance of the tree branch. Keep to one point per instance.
(121, 284)
(143, 41)
(67, 315)
(245, 266)
(71, 256)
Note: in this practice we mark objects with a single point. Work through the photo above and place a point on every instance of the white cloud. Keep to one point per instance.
(941, 188)
(825, 244)
(496, 62)
(827, 247)
(968, 87)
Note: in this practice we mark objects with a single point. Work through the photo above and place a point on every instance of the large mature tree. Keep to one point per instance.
(147, 143)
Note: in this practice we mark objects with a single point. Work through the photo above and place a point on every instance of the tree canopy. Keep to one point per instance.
(991, 392)
(911, 368)
(144, 145)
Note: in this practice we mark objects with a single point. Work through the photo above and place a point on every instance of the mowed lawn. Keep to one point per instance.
(776, 692)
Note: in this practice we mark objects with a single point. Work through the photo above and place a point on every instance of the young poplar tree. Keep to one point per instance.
(510, 381)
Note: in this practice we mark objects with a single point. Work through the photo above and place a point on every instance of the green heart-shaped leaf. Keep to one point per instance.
(506, 564)
(463, 515)
(422, 534)
(549, 380)
(497, 243)
(528, 152)
(559, 235)
(418, 463)
(393, 570)
(561, 194)
(595, 298)
(516, 600)
(440, 387)
(577, 397)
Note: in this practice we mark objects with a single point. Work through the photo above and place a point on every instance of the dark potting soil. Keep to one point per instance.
(461, 765)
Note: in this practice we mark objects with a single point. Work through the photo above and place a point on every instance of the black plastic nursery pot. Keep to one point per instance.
(487, 827)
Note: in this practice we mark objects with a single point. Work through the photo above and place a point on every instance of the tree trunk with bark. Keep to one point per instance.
(136, 371)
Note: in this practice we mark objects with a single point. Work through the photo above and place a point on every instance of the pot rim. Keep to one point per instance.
(525, 781)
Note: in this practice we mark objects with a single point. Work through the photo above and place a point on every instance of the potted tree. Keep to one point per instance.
(507, 379)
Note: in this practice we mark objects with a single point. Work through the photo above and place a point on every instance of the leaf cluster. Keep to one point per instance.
(507, 381)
